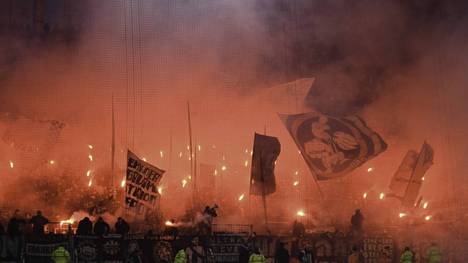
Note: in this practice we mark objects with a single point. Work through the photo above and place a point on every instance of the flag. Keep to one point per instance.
(265, 151)
(333, 147)
(422, 164)
(402, 176)
(142, 182)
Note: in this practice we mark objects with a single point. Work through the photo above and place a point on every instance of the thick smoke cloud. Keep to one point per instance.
(398, 63)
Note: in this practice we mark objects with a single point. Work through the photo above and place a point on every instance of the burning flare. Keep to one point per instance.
(370, 169)
(122, 184)
(90, 157)
(381, 196)
(364, 195)
(401, 215)
(68, 222)
(241, 197)
(184, 183)
(300, 213)
(246, 163)
(90, 146)
(169, 223)
(296, 183)
(160, 190)
(88, 173)
(51, 162)
(161, 154)
(90, 182)
(426, 204)
(12, 164)
(223, 168)
(427, 218)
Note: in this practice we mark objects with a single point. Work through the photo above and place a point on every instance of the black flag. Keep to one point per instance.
(265, 151)
(332, 146)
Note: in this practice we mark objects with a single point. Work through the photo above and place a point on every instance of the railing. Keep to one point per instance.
(232, 228)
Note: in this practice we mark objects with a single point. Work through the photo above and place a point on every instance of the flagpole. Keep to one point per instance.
(113, 149)
(265, 211)
(264, 197)
(192, 173)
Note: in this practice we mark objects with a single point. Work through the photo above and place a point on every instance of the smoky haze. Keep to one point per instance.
(399, 64)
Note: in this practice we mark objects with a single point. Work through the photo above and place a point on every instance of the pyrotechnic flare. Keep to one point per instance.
(184, 183)
(296, 183)
(90, 146)
(199, 147)
(51, 162)
(68, 222)
(215, 172)
(427, 218)
(426, 204)
(422, 178)
(144, 159)
(370, 169)
(122, 184)
(12, 165)
(90, 182)
(364, 195)
(246, 163)
(401, 215)
(296, 173)
(180, 154)
(90, 157)
(300, 213)
(382, 196)
(161, 154)
(160, 190)
(241, 197)
(223, 168)
(88, 173)
(169, 223)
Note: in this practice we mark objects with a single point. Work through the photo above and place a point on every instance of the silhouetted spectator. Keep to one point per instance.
(281, 254)
(85, 227)
(2, 229)
(121, 226)
(356, 221)
(16, 224)
(244, 253)
(306, 256)
(39, 221)
(101, 227)
(298, 229)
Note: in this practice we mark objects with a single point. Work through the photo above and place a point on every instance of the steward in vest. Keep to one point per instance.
(257, 257)
(407, 256)
(60, 255)
(433, 254)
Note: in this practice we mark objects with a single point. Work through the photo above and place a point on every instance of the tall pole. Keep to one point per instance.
(192, 164)
(113, 148)
(265, 211)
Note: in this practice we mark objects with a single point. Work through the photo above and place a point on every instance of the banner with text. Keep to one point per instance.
(141, 185)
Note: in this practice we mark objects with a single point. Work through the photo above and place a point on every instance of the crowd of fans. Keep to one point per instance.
(35, 225)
